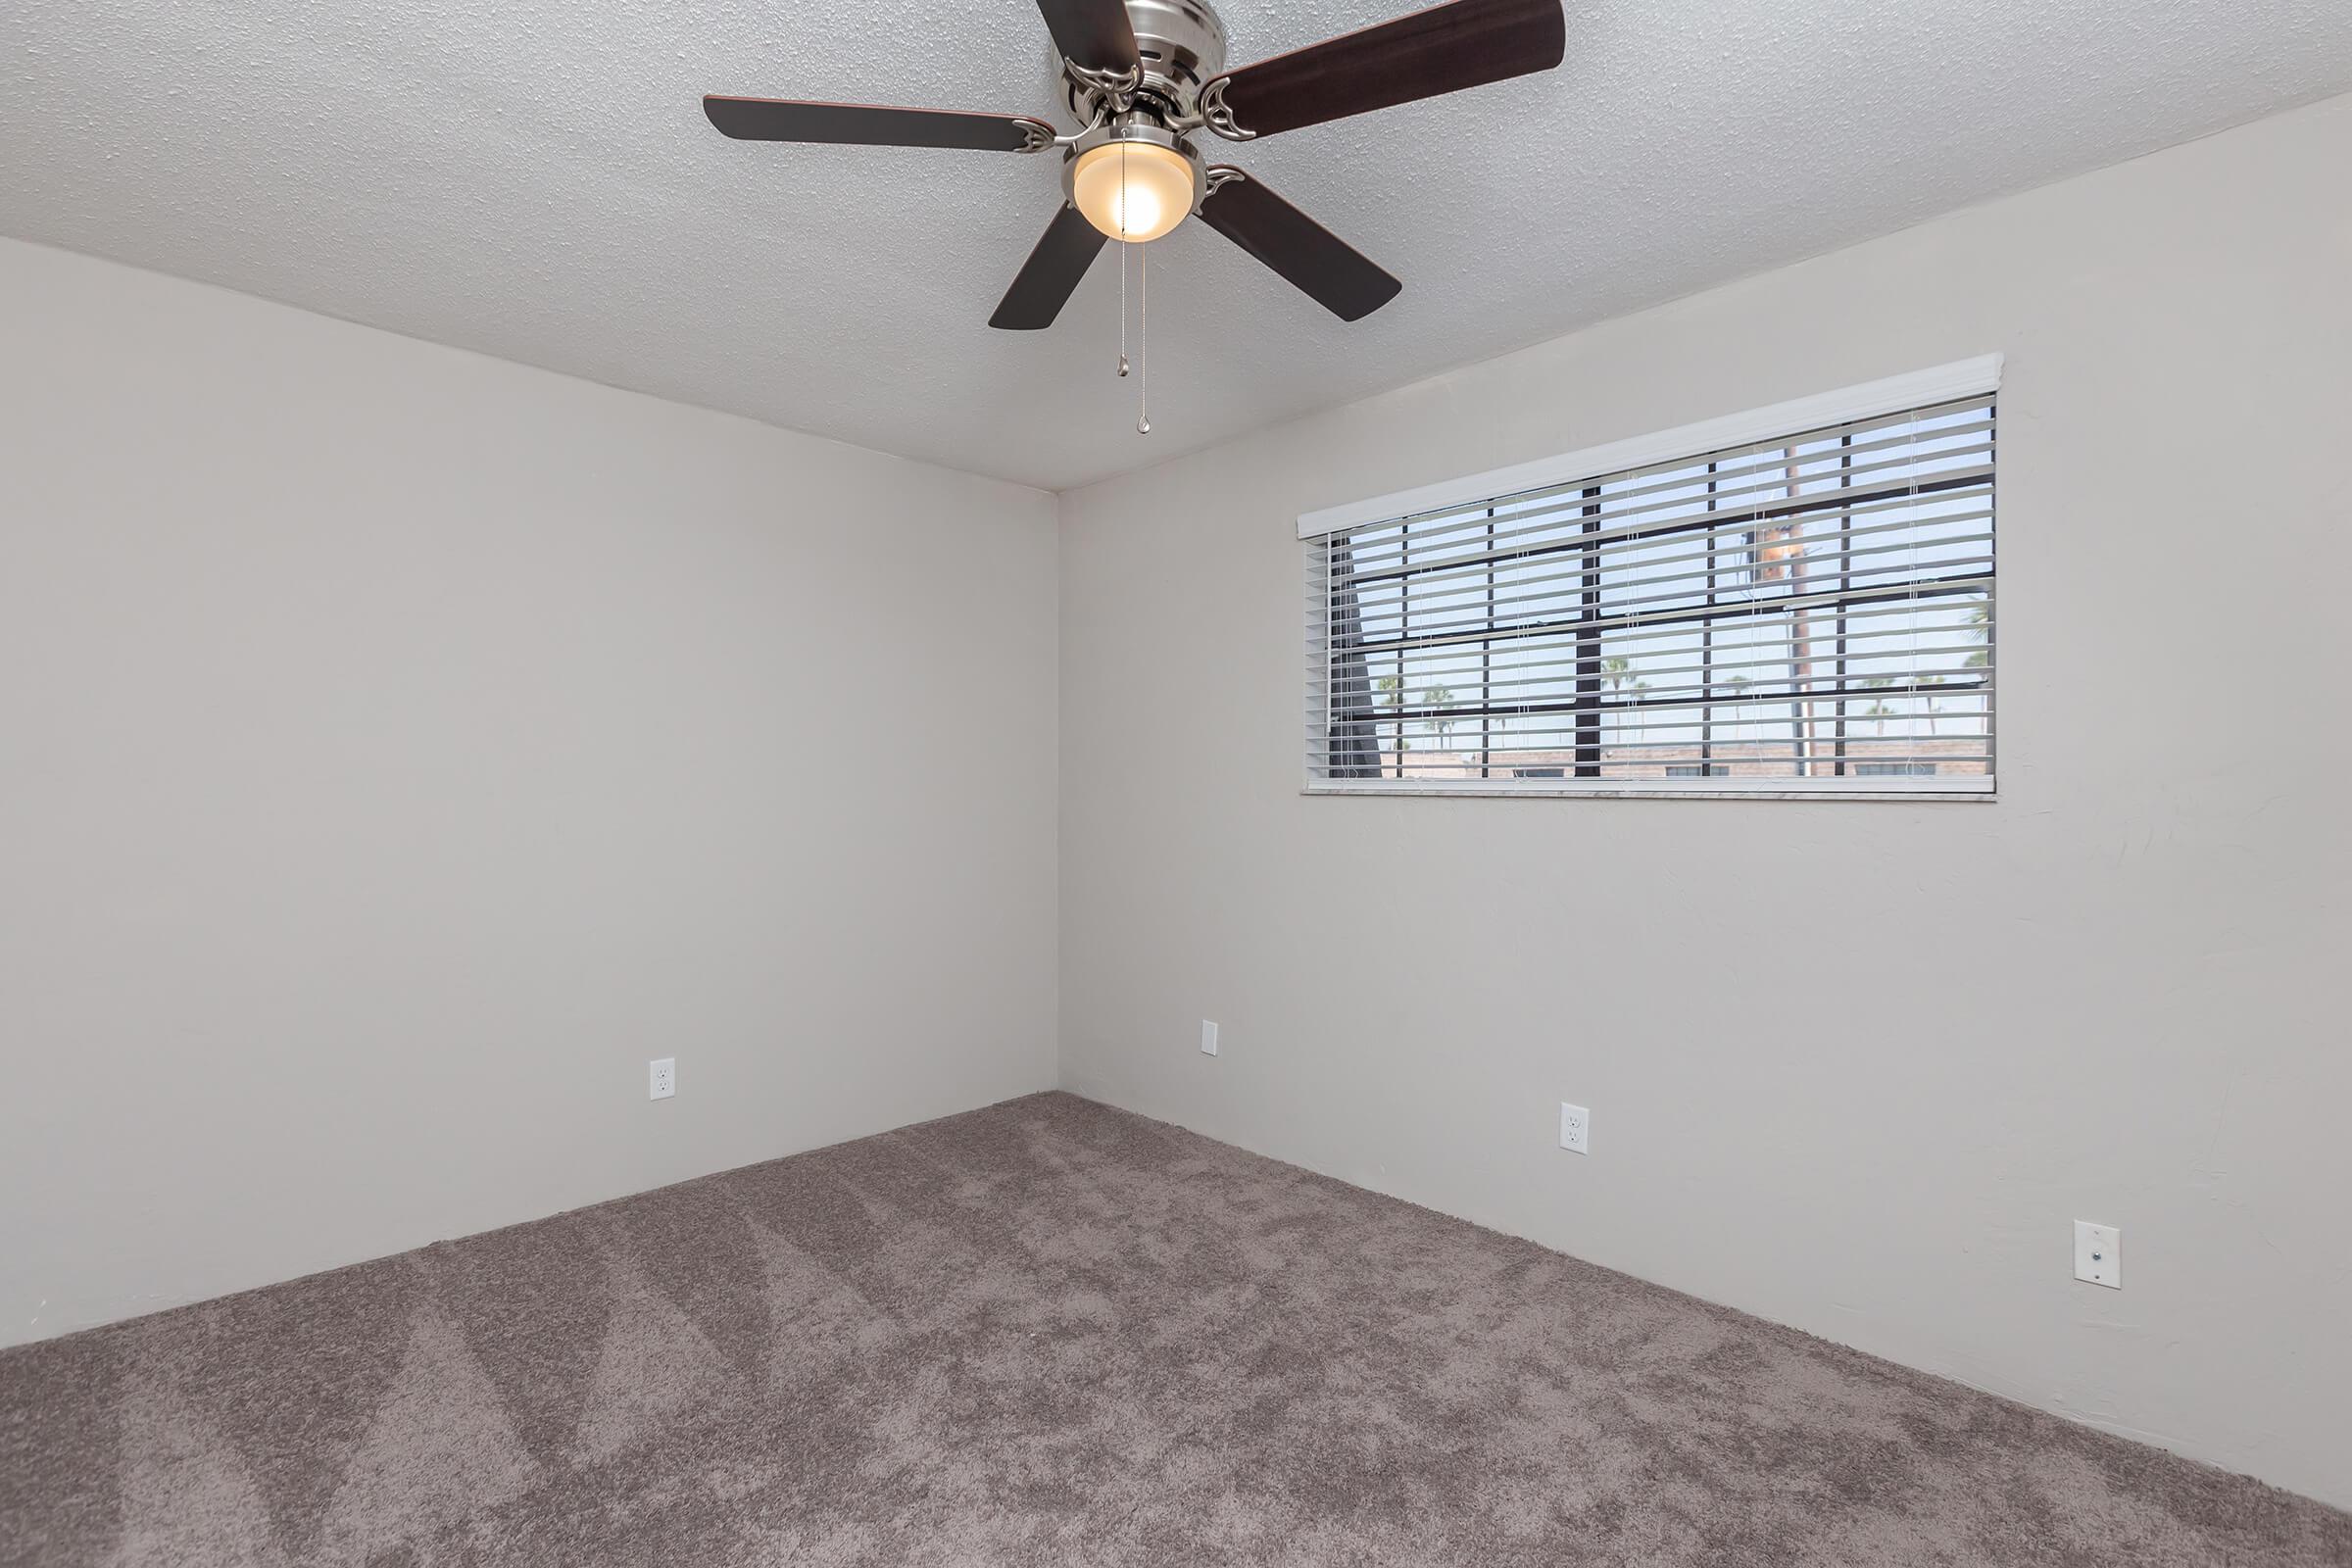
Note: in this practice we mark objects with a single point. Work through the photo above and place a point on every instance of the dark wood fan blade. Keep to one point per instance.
(873, 125)
(1051, 275)
(1440, 50)
(1091, 32)
(1334, 273)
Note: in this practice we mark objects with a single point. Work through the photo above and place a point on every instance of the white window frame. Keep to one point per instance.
(1980, 376)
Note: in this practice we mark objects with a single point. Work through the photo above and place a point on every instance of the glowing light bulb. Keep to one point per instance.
(1132, 192)
(1136, 212)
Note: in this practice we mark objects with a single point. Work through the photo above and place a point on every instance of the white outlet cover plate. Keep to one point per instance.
(2099, 1254)
(661, 1078)
(1576, 1129)
(1208, 1037)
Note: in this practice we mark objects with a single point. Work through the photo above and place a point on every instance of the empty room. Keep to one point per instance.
(1118, 783)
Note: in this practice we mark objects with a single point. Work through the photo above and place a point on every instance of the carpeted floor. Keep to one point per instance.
(1047, 1333)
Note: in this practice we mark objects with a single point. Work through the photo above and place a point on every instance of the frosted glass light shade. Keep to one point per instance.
(1132, 190)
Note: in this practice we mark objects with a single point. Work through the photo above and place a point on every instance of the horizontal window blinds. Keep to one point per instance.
(1812, 613)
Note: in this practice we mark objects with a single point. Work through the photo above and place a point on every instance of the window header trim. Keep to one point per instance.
(1962, 378)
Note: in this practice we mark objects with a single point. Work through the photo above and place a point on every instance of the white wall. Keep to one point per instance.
(1856, 1067)
(398, 747)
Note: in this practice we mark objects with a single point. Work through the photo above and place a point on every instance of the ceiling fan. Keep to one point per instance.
(1143, 76)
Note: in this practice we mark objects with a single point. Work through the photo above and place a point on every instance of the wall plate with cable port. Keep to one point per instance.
(2099, 1254)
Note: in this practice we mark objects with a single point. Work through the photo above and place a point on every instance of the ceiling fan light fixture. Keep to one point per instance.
(1142, 76)
(1133, 190)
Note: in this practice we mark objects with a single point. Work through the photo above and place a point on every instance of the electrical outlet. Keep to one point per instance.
(1576, 1129)
(1208, 1037)
(661, 1078)
(2099, 1254)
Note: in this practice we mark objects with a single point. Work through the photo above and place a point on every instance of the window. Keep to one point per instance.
(1803, 605)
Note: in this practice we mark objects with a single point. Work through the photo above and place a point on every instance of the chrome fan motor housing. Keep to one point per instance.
(1182, 43)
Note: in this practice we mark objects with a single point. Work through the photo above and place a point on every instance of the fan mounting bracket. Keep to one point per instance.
(1216, 115)
(1214, 179)
(1098, 93)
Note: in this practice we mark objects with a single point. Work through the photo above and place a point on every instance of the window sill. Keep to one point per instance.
(1676, 790)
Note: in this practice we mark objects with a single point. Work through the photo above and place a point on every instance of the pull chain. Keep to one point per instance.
(1143, 346)
(1122, 259)
(1143, 343)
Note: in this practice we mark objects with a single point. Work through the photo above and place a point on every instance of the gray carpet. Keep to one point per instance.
(1047, 1333)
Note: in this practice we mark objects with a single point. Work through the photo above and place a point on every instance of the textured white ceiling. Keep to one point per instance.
(534, 179)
